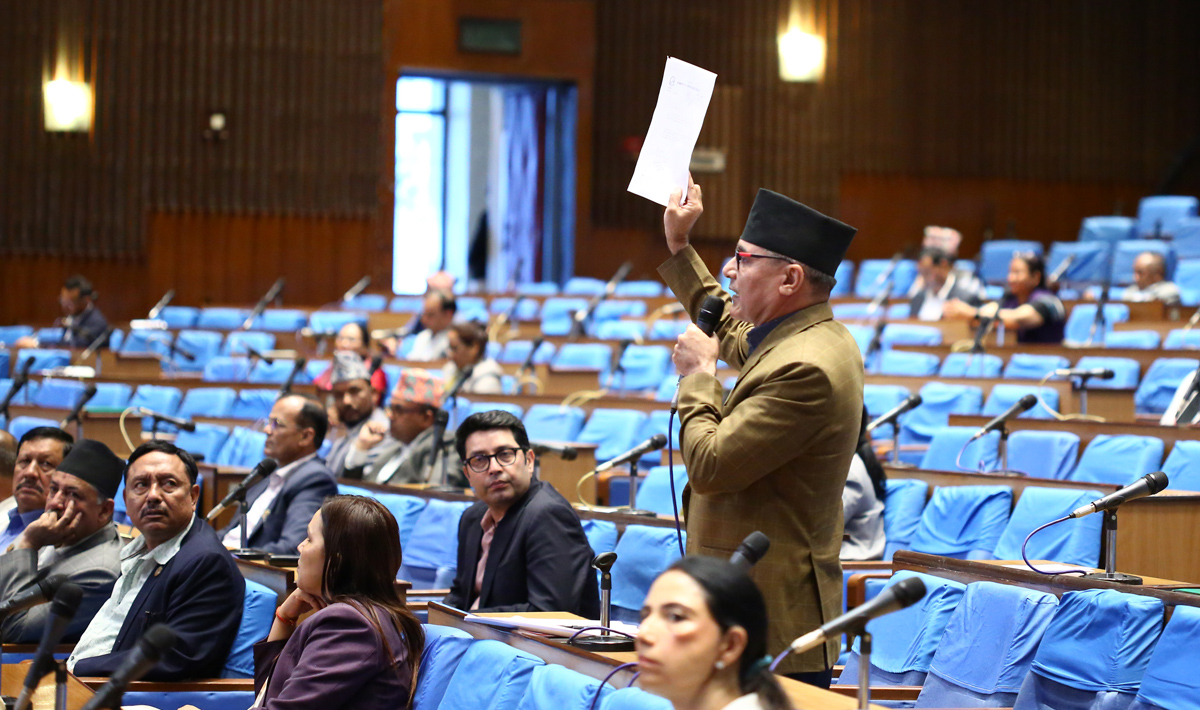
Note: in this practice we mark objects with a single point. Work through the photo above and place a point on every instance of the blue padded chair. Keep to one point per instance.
(159, 398)
(236, 342)
(1187, 238)
(1024, 366)
(50, 336)
(513, 409)
(1094, 653)
(1178, 339)
(27, 394)
(1043, 454)
(1107, 229)
(277, 372)
(538, 288)
(906, 334)
(222, 318)
(1159, 215)
(9, 334)
(58, 394)
(944, 450)
(110, 396)
(332, 321)
(639, 289)
(656, 423)
(516, 351)
(205, 442)
(964, 522)
(43, 358)
(1171, 681)
(988, 647)
(1092, 262)
(979, 365)
(180, 317)
(619, 330)
(370, 302)
(612, 310)
(642, 368)
(614, 431)
(1133, 339)
(904, 363)
(253, 404)
(589, 356)
(938, 402)
(852, 311)
(583, 286)
(1119, 459)
(444, 648)
(1124, 254)
(633, 699)
(145, 341)
(202, 345)
(862, 335)
(243, 448)
(258, 613)
(1183, 466)
(281, 320)
(1158, 385)
(643, 553)
(527, 309)
(224, 368)
(5, 365)
(20, 425)
(558, 314)
(552, 422)
(211, 402)
(1073, 542)
(880, 399)
(555, 687)
(1125, 371)
(432, 553)
(1004, 396)
(490, 676)
(1083, 317)
(902, 513)
(1187, 278)
(406, 304)
(667, 329)
(654, 493)
(844, 279)
(405, 509)
(471, 308)
(601, 535)
(996, 255)
(867, 284)
(905, 641)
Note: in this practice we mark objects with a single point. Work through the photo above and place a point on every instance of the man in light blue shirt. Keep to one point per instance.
(39, 453)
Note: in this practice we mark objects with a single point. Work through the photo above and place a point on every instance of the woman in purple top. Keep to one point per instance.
(361, 647)
(1028, 307)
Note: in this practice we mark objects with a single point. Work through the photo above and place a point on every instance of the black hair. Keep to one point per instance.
(1033, 262)
(734, 599)
(79, 282)
(472, 333)
(164, 447)
(936, 254)
(363, 334)
(446, 299)
(866, 452)
(48, 432)
(487, 421)
(312, 416)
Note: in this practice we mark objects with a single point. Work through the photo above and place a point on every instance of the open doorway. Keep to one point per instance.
(485, 181)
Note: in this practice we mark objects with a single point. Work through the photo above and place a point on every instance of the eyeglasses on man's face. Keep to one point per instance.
(480, 463)
(739, 255)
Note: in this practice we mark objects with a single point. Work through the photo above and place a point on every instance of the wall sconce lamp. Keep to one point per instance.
(68, 105)
(801, 55)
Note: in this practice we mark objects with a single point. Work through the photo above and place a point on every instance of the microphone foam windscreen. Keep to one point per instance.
(1028, 401)
(51, 584)
(659, 440)
(267, 466)
(710, 314)
(756, 545)
(158, 640)
(909, 591)
(1157, 481)
(66, 600)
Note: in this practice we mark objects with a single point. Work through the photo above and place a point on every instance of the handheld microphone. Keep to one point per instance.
(750, 551)
(911, 402)
(357, 289)
(253, 352)
(528, 364)
(707, 320)
(1022, 405)
(175, 348)
(297, 368)
(183, 424)
(150, 648)
(654, 443)
(39, 593)
(904, 593)
(1100, 373)
(264, 468)
(463, 376)
(271, 294)
(62, 611)
(1147, 485)
(78, 408)
(96, 344)
(162, 303)
(563, 451)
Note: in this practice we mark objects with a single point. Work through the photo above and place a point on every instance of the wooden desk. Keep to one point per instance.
(1114, 405)
(12, 680)
(104, 428)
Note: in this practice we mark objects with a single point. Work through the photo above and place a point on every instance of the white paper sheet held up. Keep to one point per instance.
(662, 166)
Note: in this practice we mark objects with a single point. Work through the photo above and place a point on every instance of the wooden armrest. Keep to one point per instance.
(32, 648)
(881, 692)
(215, 685)
(866, 565)
(856, 586)
(439, 593)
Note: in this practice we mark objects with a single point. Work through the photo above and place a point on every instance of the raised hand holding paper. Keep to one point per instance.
(662, 166)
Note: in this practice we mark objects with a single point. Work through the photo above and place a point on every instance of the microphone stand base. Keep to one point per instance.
(249, 554)
(603, 644)
(1114, 577)
(626, 510)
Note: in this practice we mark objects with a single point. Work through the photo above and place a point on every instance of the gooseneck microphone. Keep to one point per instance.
(183, 424)
(62, 611)
(654, 443)
(750, 551)
(902, 594)
(77, 410)
(563, 451)
(911, 402)
(150, 648)
(706, 320)
(297, 367)
(1100, 373)
(1022, 405)
(264, 468)
(39, 593)
(1147, 485)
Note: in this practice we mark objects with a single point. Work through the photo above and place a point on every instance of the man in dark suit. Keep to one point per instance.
(177, 573)
(521, 548)
(82, 322)
(283, 503)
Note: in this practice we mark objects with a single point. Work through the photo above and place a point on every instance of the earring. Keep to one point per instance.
(720, 665)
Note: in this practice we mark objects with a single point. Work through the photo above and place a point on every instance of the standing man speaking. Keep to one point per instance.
(773, 456)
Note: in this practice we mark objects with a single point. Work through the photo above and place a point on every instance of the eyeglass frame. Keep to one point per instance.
(739, 255)
(487, 459)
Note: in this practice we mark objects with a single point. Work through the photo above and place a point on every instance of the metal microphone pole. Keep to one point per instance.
(1110, 573)
(864, 668)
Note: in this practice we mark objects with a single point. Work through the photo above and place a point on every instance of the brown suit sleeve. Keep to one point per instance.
(690, 281)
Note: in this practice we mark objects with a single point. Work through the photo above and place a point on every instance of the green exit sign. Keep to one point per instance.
(489, 36)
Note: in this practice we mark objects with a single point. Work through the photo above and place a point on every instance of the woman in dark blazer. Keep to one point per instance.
(361, 647)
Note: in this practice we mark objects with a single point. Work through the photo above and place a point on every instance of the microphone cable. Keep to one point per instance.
(671, 475)
(1075, 416)
(613, 672)
(1029, 564)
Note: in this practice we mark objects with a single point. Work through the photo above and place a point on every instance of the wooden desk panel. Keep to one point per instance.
(12, 680)
(104, 428)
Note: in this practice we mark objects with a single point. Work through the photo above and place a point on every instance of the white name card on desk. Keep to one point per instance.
(566, 626)
(662, 166)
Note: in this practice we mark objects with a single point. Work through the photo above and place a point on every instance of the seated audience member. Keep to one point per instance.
(862, 502)
(82, 322)
(40, 451)
(75, 537)
(361, 647)
(283, 503)
(702, 640)
(354, 337)
(354, 404)
(8, 454)
(940, 282)
(1150, 281)
(468, 350)
(542, 559)
(1028, 308)
(176, 573)
(414, 404)
(433, 342)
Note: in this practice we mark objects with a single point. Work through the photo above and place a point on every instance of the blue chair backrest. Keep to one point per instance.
(639, 289)
(1183, 466)
(110, 396)
(43, 358)
(552, 422)
(515, 352)
(1126, 371)
(236, 342)
(1120, 459)
(1171, 681)
(1133, 339)
(20, 425)
(1187, 278)
(26, 395)
(253, 404)
(656, 423)
(212, 402)
(633, 699)
(601, 535)
(1092, 261)
(946, 452)
(880, 399)
(180, 317)
(611, 310)
(1124, 254)
(665, 329)
(406, 304)
(592, 356)
(222, 318)
(444, 648)
(9, 334)
(555, 687)
(433, 543)
(1004, 396)
(1179, 339)
(906, 334)
(867, 284)
(490, 676)
(406, 510)
(538, 288)
(471, 308)
(1159, 215)
(224, 368)
(205, 441)
(332, 321)
(276, 372)
(145, 341)
(513, 409)
(202, 345)
(654, 494)
(643, 367)
(281, 320)
(938, 402)
(844, 279)
(902, 512)
(614, 431)
(583, 285)
(1073, 542)
(1043, 454)
(58, 394)
(371, 302)
(558, 314)
(258, 613)
(1187, 238)
(900, 362)
(160, 398)
(1083, 318)
(643, 553)
(971, 365)
(1158, 385)
(996, 255)
(527, 309)
(964, 522)
(1025, 366)
(1107, 229)
(243, 448)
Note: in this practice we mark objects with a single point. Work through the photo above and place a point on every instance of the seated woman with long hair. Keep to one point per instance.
(702, 641)
(361, 647)
(468, 356)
